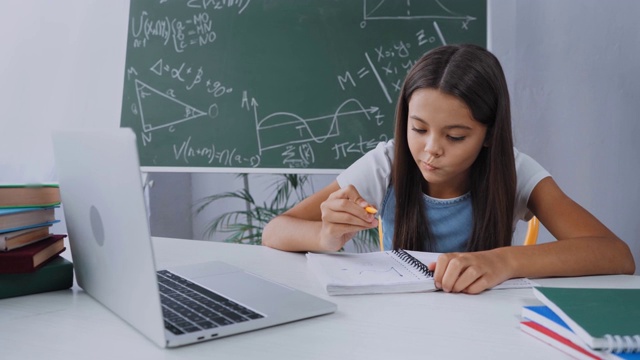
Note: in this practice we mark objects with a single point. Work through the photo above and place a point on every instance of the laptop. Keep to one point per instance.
(106, 218)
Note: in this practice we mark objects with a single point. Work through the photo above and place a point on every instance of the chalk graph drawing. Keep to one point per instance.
(409, 10)
(282, 128)
(158, 110)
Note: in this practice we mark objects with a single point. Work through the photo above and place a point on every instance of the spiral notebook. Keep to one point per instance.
(394, 271)
(605, 319)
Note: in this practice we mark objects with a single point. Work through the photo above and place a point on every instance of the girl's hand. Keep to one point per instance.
(343, 215)
(471, 272)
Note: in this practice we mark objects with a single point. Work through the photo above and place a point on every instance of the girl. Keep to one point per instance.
(452, 182)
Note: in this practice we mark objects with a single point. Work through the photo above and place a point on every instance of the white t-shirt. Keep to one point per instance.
(371, 176)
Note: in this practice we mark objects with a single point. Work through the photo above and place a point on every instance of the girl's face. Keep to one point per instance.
(444, 140)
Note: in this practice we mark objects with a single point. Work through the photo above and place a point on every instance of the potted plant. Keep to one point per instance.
(245, 226)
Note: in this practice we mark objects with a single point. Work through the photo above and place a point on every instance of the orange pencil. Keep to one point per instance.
(372, 210)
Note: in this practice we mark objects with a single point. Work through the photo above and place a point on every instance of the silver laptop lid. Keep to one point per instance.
(105, 215)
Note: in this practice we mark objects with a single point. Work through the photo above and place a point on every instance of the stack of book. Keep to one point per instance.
(586, 323)
(30, 260)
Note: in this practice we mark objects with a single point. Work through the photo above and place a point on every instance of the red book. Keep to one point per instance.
(30, 257)
(557, 341)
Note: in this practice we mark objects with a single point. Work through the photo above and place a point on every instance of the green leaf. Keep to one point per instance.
(245, 226)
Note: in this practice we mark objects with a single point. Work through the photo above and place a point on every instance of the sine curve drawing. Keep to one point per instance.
(283, 128)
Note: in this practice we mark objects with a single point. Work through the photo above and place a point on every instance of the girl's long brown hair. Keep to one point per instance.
(475, 76)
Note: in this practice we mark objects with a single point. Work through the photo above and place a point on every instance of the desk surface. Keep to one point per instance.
(71, 325)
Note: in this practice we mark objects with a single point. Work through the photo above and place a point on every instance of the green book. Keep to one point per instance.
(605, 319)
(29, 195)
(57, 274)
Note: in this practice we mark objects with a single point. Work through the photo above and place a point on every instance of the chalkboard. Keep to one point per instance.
(276, 85)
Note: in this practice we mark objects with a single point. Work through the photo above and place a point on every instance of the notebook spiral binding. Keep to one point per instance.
(617, 343)
(409, 259)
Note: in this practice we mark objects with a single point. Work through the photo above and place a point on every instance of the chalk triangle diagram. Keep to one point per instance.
(159, 110)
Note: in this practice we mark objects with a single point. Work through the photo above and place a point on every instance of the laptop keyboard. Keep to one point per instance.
(188, 307)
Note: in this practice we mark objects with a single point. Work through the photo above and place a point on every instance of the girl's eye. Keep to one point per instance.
(419, 131)
(456, 138)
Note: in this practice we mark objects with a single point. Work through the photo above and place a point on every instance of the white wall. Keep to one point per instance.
(170, 201)
(61, 65)
(572, 66)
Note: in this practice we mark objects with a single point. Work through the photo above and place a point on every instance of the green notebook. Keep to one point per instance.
(605, 319)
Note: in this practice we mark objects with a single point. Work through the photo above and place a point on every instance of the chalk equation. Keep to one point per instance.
(286, 86)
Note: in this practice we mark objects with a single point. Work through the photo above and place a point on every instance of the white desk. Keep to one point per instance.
(70, 325)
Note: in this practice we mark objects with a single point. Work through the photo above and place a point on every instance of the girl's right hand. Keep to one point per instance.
(343, 215)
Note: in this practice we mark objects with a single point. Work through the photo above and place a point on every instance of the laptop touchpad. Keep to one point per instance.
(235, 283)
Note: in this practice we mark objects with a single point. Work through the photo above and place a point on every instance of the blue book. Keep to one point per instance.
(542, 323)
(13, 219)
